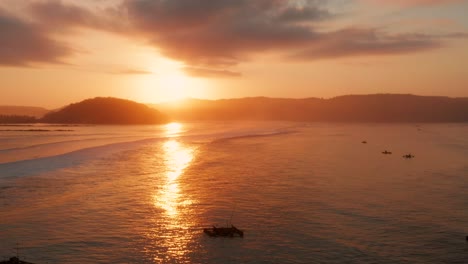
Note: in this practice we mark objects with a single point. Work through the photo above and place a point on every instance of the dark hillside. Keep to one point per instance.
(106, 111)
(349, 108)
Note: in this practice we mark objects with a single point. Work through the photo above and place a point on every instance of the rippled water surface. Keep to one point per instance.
(302, 193)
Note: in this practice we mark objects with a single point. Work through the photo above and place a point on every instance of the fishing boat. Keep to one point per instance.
(16, 259)
(223, 231)
(386, 152)
(408, 156)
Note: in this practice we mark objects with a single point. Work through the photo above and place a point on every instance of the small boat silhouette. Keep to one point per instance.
(386, 152)
(223, 231)
(408, 156)
(364, 142)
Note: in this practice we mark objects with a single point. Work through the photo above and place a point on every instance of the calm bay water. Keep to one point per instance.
(302, 193)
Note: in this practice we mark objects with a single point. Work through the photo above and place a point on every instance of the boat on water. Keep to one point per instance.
(223, 231)
(408, 156)
(386, 152)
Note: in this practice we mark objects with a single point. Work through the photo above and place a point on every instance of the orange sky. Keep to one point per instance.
(53, 53)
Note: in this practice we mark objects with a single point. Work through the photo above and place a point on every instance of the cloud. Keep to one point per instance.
(219, 34)
(304, 14)
(26, 38)
(362, 42)
(210, 36)
(24, 43)
(414, 2)
(210, 73)
(56, 15)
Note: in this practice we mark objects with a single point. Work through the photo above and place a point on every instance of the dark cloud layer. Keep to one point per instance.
(209, 36)
(415, 2)
(362, 42)
(23, 43)
(220, 33)
(303, 14)
(56, 13)
(58, 16)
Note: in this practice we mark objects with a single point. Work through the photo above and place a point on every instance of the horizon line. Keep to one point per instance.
(237, 98)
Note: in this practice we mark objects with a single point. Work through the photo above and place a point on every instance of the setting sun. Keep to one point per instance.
(168, 82)
(174, 86)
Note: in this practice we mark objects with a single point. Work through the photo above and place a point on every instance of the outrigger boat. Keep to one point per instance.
(223, 231)
(408, 156)
(386, 152)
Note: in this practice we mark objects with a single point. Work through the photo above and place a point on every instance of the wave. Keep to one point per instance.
(41, 158)
(64, 142)
(41, 165)
(58, 148)
(252, 135)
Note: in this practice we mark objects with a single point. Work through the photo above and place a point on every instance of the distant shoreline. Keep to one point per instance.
(374, 108)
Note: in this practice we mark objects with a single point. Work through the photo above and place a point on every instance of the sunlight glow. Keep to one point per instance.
(176, 218)
(173, 86)
(173, 129)
(177, 158)
(168, 81)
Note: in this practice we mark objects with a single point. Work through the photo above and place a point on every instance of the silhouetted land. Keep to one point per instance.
(350, 108)
(105, 111)
(36, 112)
(17, 119)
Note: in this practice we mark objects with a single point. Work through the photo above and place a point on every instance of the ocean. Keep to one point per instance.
(301, 192)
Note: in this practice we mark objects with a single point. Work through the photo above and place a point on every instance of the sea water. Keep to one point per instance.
(301, 192)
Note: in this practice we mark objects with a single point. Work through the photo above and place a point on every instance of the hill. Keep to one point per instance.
(22, 111)
(349, 108)
(108, 110)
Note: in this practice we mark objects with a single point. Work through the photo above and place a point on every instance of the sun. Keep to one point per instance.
(168, 86)
(168, 82)
(173, 86)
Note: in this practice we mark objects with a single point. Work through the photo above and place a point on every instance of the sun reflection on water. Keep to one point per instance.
(177, 158)
(173, 129)
(171, 231)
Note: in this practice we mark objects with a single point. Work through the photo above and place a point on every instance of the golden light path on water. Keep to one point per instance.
(177, 158)
(173, 129)
(172, 226)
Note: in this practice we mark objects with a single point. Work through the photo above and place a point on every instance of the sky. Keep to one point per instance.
(53, 53)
